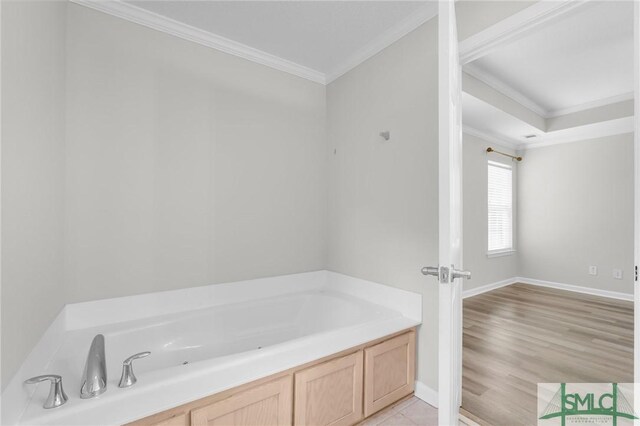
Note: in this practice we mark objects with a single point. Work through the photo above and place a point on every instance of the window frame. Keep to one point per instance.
(510, 250)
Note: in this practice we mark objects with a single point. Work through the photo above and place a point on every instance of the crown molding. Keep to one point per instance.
(616, 127)
(515, 26)
(509, 30)
(590, 105)
(620, 126)
(506, 90)
(138, 15)
(491, 138)
(170, 26)
(523, 100)
(424, 14)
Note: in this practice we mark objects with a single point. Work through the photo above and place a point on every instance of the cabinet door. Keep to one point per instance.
(269, 404)
(330, 393)
(389, 372)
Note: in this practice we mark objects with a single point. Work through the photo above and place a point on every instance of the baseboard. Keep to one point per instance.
(576, 288)
(426, 394)
(469, 419)
(488, 287)
(549, 284)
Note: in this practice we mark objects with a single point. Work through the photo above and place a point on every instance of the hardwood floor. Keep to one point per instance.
(521, 335)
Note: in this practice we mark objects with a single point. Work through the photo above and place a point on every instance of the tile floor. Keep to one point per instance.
(409, 412)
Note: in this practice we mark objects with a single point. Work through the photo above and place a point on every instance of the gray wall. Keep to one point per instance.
(383, 222)
(484, 270)
(168, 165)
(33, 58)
(185, 166)
(575, 205)
(573, 209)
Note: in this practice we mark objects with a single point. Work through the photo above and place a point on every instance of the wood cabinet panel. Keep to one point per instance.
(269, 404)
(337, 390)
(174, 417)
(330, 393)
(181, 419)
(389, 370)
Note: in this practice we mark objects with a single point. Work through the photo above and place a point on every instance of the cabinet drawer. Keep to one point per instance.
(330, 393)
(269, 404)
(389, 370)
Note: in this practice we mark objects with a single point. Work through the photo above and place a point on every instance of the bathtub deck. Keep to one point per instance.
(229, 334)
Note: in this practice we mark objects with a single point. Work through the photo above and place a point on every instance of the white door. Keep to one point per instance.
(450, 218)
(636, 255)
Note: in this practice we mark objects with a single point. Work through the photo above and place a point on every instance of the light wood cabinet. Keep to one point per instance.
(338, 390)
(389, 371)
(330, 393)
(180, 419)
(269, 404)
(174, 417)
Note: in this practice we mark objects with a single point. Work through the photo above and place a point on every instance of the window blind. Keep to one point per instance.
(500, 202)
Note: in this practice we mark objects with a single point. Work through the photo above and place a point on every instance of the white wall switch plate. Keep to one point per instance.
(593, 270)
(617, 274)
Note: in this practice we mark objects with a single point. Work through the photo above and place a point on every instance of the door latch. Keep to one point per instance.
(441, 272)
(430, 270)
(455, 273)
(444, 274)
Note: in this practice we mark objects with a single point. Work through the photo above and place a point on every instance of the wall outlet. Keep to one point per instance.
(593, 270)
(617, 274)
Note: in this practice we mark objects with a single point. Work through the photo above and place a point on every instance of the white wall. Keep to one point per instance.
(185, 166)
(484, 270)
(383, 210)
(33, 58)
(575, 205)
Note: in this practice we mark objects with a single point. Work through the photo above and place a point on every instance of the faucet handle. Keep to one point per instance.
(56, 397)
(128, 378)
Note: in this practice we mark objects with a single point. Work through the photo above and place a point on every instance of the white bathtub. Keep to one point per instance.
(209, 339)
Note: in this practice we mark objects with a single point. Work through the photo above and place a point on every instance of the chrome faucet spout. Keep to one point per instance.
(94, 378)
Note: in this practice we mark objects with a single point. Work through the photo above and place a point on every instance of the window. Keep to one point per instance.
(500, 202)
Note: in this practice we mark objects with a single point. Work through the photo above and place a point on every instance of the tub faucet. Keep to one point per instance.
(56, 397)
(128, 378)
(94, 378)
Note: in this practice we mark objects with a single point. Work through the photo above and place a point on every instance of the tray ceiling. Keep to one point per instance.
(579, 59)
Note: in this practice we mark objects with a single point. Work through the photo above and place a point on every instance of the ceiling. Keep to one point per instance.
(328, 37)
(493, 122)
(577, 63)
(483, 120)
(579, 58)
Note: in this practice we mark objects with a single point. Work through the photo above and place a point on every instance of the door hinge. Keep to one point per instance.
(636, 271)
